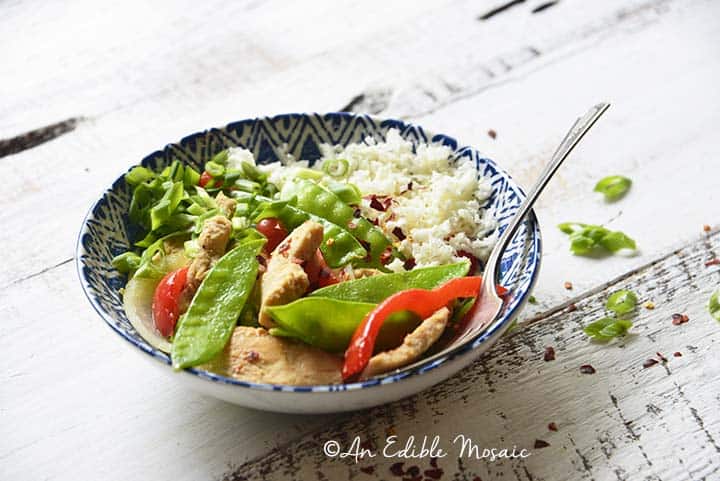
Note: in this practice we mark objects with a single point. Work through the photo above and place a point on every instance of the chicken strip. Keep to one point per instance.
(414, 345)
(284, 279)
(252, 354)
(213, 241)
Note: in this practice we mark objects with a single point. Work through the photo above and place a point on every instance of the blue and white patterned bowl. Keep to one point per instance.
(106, 229)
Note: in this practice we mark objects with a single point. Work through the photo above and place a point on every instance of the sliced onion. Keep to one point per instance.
(137, 301)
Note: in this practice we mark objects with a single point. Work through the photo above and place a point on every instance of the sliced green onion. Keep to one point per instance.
(586, 239)
(615, 241)
(138, 175)
(308, 174)
(252, 172)
(191, 177)
(191, 248)
(221, 157)
(714, 305)
(607, 328)
(214, 169)
(126, 262)
(247, 186)
(336, 168)
(161, 211)
(621, 302)
(613, 186)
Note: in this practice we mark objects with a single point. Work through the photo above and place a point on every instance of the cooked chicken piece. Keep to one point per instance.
(252, 354)
(413, 346)
(226, 205)
(213, 241)
(284, 279)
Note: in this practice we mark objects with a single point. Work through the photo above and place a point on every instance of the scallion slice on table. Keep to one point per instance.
(588, 239)
(607, 328)
(714, 305)
(613, 187)
(621, 302)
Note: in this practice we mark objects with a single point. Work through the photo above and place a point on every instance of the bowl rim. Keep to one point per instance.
(421, 367)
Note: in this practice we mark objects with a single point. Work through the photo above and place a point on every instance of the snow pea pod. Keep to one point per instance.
(377, 288)
(319, 201)
(338, 248)
(330, 323)
(208, 323)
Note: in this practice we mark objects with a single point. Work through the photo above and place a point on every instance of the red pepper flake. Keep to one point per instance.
(539, 444)
(677, 354)
(713, 262)
(587, 369)
(552, 427)
(409, 264)
(413, 471)
(381, 203)
(375, 204)
(678, 319)
(572, 307)
(251, 356)
(397, 469)
(649, 363)
(386, 256)
(661, 357)
(399, 233)
(474, 262)
(409, 188)
(568, 285)
(706, 228)
(492, 134)
(549, 354)
(368, 469)
(433, 473)
(285, 246)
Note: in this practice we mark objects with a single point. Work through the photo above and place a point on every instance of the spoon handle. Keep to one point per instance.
(574, 135)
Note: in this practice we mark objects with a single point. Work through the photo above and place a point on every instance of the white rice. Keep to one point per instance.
(440, 215)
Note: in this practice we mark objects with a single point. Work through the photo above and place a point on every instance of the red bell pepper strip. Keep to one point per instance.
(166, 301)
(420, 301)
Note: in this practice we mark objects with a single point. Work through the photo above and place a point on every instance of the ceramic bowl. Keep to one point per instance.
(106, 230)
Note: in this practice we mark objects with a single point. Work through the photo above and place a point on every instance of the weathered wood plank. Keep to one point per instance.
(623, 422)
(186, 67)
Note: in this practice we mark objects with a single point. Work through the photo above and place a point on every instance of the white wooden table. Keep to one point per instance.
(121, 79)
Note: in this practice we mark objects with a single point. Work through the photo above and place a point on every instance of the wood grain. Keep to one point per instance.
(623, 422)
(75, 404)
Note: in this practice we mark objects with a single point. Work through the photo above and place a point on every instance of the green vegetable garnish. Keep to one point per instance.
(607, 328)
(205, 328)
(330, 323)
(532, 300)
(621, 302)
(376, 289)
(714, 305)
(587, 239)
(317, 200)
(336, 168)
(613, 186)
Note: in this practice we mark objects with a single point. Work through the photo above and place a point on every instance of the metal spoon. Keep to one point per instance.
(490, 305)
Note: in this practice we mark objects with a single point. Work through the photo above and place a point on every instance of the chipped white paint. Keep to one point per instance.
(75, 404)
